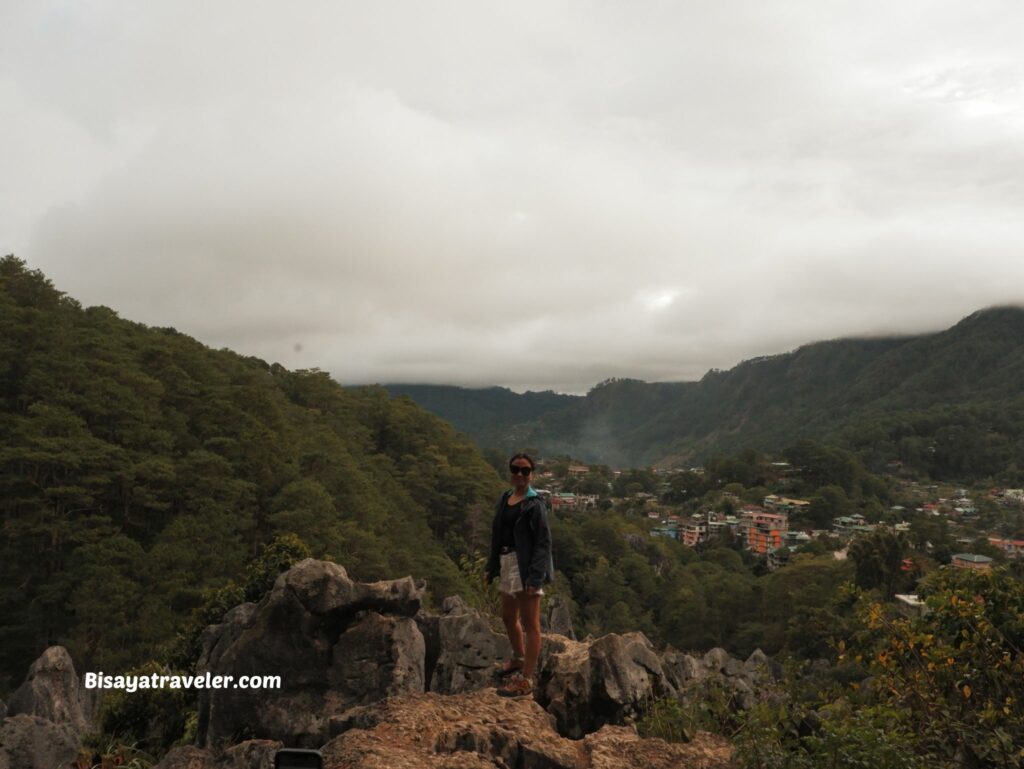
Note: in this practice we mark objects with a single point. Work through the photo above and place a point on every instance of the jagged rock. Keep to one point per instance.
(251, 754)
(479, 730)
(718, 661)
(51, 690)
(604, 681)
(33, 742)
(455, 604)
(377, 657)
(217, 638)
(334, 643)
(187, 757)
(618, 746)
(467, 650)
(759, 667)
(681, 669)
(558, 619)
(338, 645)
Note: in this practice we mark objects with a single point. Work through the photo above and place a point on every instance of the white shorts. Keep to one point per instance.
(510, 582)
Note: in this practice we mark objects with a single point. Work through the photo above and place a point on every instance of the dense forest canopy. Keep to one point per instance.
(140, 469)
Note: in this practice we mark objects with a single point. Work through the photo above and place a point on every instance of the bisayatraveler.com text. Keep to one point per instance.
(132, 683)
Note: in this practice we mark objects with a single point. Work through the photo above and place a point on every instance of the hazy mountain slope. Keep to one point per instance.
(912, 398)
(492, 416)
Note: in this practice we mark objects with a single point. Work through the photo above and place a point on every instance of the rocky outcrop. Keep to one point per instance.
(479, 730)
(251, 754)
(334, 642)
(338, 644)
(558, 619)
(612, 679)
(585, 685)
(33, 742)
(467, 648)
(46, 716)
(52, 691)
(376, 682)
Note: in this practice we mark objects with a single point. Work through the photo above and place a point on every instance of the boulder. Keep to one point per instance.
(681, 670)
(603, 681)
(558, 618)
(377, 657)
(719, 662)
(187, 757)
(33, 742)
(251, 754)
(334, 643)
(52, 691)
(760, 668)
(479, 730)
(467, 650)
(617, 746)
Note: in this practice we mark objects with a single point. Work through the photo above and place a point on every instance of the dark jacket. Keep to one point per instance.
(533, 541)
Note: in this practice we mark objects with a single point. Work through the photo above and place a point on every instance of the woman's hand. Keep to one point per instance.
(531, 590)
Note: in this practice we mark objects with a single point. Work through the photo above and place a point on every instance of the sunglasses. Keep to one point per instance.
(517, 470)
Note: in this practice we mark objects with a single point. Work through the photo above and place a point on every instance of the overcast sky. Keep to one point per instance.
(538, 195)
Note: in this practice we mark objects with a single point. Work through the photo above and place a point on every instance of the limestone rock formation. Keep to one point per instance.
(467, 648)
(338, 644)
(558, 619)
(479, 730)
(51, 690)
(334, 642)
(33, 742)
(251, 754)
(586, 684)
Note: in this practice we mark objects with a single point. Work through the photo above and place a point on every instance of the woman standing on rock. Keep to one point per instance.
(521, 557)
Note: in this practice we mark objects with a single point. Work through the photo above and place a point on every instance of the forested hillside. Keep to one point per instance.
(949, 405)
(140, 469)
(492, 416)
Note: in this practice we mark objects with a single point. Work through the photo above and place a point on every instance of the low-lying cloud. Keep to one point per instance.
(537, 196)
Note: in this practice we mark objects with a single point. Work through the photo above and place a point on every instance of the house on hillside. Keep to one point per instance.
(1014, 548)
(779, 504)
(693, 532)
(665, 531)
(972, 561)
(762, 530)
(847, 525)
(563, 500)
(910, 605)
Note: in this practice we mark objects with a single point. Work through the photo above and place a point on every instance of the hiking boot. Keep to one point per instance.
(517, 685)
(508, 667)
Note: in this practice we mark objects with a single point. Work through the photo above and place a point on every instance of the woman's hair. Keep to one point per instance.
(521, 455)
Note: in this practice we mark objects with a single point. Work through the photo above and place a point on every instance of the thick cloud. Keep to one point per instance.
(536, 195)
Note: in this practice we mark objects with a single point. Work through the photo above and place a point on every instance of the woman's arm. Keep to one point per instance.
(541, 555)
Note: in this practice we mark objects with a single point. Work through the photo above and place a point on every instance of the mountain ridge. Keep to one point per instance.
(823, 390)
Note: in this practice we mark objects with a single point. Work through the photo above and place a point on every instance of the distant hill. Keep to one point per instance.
(950, 404)
(492, 416)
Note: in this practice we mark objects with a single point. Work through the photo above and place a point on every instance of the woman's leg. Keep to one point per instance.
(529, 611)
(510, 616)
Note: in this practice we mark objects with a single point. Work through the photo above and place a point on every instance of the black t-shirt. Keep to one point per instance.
(509, 516)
